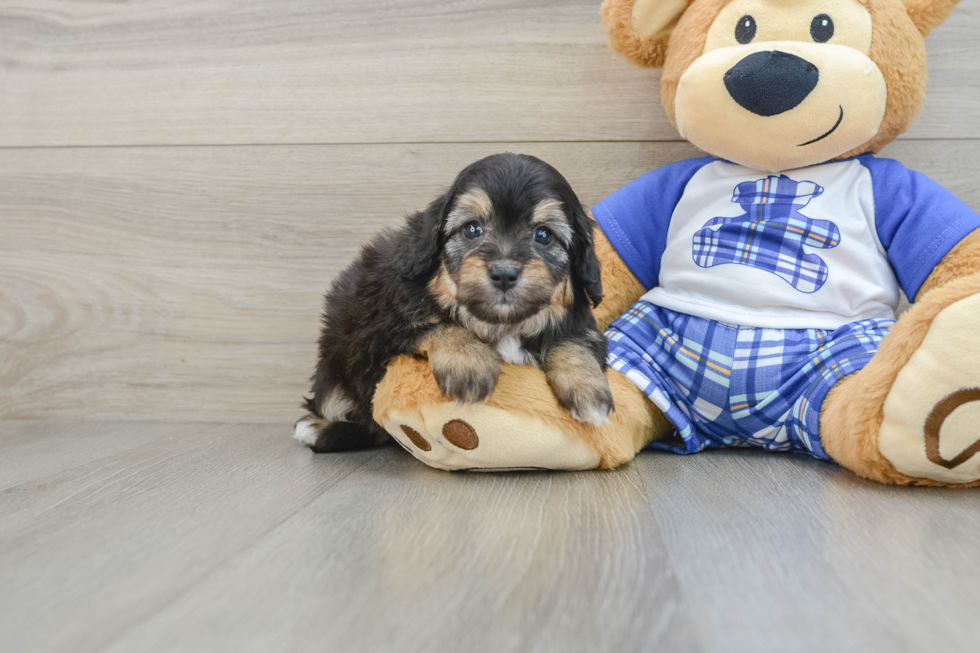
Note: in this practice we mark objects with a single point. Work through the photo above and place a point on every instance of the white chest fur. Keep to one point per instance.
(512, 352)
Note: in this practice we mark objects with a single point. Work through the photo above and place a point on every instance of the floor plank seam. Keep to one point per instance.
(679, 141)
(231, 556)
(683, 608)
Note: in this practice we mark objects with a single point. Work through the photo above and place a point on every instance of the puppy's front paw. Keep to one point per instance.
(579, 384)
(466, 376)
(591, 405)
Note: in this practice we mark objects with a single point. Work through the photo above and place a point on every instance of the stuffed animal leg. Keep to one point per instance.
(520, 427)
(912, 416)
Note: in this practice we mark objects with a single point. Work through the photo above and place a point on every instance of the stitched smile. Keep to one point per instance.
(832, 130)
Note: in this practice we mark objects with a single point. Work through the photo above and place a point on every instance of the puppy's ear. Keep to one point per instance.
(586, 271)
(420, 255)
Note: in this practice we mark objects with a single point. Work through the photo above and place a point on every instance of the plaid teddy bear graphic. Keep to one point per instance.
(771, 234)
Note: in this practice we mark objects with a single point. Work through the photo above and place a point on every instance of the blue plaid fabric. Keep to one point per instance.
(725, 386)
(771, 234)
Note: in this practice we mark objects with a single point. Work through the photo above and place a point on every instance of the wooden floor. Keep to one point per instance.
(179, 537)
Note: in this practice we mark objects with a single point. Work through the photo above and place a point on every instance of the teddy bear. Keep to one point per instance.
(751, 294)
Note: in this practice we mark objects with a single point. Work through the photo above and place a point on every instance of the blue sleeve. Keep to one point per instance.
(636, 217)
(918, 221)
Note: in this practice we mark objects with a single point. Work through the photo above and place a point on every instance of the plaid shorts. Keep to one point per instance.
(725, 386)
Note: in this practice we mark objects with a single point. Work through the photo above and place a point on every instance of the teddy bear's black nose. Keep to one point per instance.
(770, 83)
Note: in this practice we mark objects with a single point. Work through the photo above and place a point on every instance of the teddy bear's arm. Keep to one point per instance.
(620, 287)
(963, 260)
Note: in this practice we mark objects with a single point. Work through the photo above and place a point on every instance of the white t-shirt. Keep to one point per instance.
(816, 247)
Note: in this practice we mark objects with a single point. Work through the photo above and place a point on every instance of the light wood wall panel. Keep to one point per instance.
(184, 283)
(101, 72)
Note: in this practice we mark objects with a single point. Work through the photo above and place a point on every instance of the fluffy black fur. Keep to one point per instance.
(384, 304)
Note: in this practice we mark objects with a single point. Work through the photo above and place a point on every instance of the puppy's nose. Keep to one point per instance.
(504, 275)
(770, 83)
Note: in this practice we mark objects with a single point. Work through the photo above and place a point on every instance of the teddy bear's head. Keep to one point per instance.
(780, 84)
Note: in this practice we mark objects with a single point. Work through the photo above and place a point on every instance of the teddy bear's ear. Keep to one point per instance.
(639, 29)
(928, 14)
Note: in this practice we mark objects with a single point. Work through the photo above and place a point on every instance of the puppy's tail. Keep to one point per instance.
(324, 435)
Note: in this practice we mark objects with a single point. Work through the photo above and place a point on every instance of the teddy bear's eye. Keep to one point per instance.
(745, 30)
(822, 28)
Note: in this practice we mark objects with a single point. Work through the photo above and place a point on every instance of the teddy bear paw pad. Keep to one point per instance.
(931, 425)
(449, 447)
(459, 433)
(416, 438)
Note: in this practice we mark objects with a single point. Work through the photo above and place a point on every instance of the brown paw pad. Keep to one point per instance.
(416, 438)
(460, 434)
(934, 424)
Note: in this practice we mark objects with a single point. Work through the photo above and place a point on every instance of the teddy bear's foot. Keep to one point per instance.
(470, 436)
(520, 427)
(931, 425)
(924, 387)
(450, 439)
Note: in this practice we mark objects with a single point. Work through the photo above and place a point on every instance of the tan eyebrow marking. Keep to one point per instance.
(548, 210)
(475, 200)
(473, 203)
(552, 212)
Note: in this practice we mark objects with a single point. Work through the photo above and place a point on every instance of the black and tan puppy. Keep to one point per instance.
(500, 268)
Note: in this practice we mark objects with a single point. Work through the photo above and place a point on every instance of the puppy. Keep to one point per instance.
(501, 268)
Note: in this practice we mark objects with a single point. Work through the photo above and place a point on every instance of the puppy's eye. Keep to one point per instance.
(745, 30)
(472, 230)
(543, 236)
(822, 28)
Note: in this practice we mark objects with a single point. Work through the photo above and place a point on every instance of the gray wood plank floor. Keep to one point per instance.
(180, 537)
